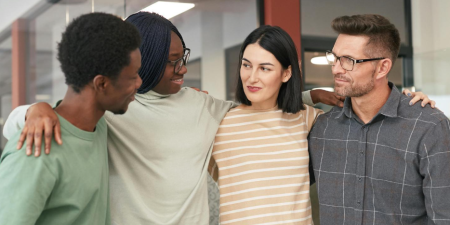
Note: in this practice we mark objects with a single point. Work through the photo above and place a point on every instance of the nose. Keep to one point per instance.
(254, 76)
(183, 70)
(337, 68)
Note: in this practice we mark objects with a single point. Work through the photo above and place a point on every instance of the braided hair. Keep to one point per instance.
(155, 33)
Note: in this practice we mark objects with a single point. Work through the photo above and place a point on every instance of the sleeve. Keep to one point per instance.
(306, 98)
(25, 186)
(218, 108)
(311, 114)
(435, 169)
(15, 121)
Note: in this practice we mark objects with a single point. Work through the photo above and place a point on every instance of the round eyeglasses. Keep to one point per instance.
(179, 63)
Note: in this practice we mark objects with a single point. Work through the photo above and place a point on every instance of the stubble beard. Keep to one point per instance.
(355, 91)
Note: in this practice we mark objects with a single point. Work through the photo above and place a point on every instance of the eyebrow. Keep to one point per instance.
(262, 64)
(343, 55)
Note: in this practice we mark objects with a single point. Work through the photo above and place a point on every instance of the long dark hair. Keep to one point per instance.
(279, 43)
(155, 32)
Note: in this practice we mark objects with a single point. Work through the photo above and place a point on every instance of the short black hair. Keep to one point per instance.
(93, 44)
(155, 31)
(384, 38)
(279, 43)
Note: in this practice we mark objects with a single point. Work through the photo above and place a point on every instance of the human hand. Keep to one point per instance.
(40, 119)
(326, 97)
(417, 96)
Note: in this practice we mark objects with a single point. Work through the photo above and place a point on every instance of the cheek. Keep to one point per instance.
(273, 81)
(245, 74)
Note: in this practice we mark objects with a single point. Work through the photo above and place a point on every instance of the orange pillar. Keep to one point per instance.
(19, 44)
(285, 14)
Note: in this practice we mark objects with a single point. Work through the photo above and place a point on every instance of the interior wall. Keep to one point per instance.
(432, 50)
(317, 15)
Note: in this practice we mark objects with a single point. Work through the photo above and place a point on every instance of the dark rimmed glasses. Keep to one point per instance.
(347, 63)
(179, 63)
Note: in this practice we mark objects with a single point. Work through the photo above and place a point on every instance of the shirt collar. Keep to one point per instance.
(152, 95)
(389, 108)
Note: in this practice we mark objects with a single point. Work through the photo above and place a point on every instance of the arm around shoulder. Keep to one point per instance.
(217, 107)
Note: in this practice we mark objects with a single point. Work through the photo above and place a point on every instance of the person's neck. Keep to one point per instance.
(367, 106)
(262, 105)
(80, 109)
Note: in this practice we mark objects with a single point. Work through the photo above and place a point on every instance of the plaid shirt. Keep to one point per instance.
(393, 170)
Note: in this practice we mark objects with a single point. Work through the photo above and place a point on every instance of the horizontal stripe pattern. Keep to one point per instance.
(260, 160)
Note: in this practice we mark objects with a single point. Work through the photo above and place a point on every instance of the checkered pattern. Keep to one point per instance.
(393, 170)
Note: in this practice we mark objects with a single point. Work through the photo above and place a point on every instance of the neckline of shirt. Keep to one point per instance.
(259, 110)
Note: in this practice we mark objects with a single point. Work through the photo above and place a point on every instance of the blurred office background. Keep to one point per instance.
(214, 31)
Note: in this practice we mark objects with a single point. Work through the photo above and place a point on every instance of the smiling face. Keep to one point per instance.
(262, 76)
(122, 89)
(171, 82)
(359, 81)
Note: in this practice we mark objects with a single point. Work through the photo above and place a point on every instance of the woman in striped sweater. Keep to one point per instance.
(260, 156)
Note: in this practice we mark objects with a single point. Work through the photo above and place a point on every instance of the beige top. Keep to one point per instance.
(260, 159)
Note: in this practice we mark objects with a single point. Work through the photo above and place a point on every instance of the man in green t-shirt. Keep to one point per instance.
(100, 58)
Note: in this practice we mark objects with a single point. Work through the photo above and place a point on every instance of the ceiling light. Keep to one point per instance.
(319, 60)
(168, 9)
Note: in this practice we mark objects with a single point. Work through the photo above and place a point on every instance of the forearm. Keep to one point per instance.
(15, 121)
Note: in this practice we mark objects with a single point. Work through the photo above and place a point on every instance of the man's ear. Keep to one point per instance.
(287, 74)
(100, 83)
(384, 67)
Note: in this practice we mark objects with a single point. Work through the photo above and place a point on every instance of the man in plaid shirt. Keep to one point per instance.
(378, 160)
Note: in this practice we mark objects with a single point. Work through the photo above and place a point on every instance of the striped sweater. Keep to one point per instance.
(260, 159)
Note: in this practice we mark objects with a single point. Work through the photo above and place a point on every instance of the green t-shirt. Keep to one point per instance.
(69, 186)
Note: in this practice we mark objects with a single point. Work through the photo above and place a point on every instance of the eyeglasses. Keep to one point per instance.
(347, 63)
(179, 63)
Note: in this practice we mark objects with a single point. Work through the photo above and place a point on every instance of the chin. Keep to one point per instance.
(119, 112)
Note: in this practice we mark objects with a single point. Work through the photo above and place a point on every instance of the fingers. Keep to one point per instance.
(38, 140)
(206, 92)
(340, 100)
(340, 103)
(48, 132)
(22, 138)
(426, 101)
(30, 136)
(57, 130)
(195, 88)
(408, 93)
(414, 100)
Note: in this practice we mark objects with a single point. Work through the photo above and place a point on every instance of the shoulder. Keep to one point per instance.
(193, 95)
(426, 116)
(310, 111)
(12, 157)
(324, 119)
(332, 114)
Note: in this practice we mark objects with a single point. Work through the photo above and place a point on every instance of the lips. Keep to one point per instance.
(253, 89)
(178, 81)
(341, 79)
